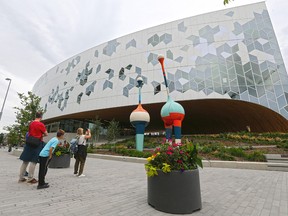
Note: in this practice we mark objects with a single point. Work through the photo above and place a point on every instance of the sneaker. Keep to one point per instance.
(43, 186)
(32, 181)
(75, 174)
(82, 175)
(21, 180)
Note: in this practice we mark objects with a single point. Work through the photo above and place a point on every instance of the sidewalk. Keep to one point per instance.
(120, 188)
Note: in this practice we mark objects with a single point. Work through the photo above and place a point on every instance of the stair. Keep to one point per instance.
(277, 162)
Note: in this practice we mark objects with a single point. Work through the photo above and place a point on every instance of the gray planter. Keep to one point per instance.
(62, 161)
(175, 192)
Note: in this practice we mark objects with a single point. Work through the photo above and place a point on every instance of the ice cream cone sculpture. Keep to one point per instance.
(172, 113)
(139, 118)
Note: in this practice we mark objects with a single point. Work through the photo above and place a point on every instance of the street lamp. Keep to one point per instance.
(8, 79)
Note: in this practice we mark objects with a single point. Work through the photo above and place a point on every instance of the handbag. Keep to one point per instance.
(33, 141)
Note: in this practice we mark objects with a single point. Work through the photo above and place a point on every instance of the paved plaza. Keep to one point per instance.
(120, 188)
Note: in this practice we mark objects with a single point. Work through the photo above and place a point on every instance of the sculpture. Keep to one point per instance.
(139, 118)
(172, 113)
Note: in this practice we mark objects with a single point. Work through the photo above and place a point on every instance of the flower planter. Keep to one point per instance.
(175, 192)
(62, 161)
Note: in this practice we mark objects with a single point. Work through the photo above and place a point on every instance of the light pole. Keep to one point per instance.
(8, 79)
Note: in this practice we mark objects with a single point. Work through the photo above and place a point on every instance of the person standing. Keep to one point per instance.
(45, 157)
(81, 154)
(36, 129)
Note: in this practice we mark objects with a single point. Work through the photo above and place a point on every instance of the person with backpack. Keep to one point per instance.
(30, 154)
(81, 153)
(45, 157)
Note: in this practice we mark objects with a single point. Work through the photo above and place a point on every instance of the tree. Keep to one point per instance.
(96, 129)
(1, 138)
(13, 137)
(113, 130)
(24, 115)
(227, 1)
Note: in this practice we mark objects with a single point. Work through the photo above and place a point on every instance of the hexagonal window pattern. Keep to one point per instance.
(107, 84)
(154, 40)
(96, 53)
(110, 48)
(156, 86)
(90, 88)
(182, 27)
(153, 59)
(110, 72)
(132, 43)
(122, 76)
(98, 69)
(79, 97)
(166, 38)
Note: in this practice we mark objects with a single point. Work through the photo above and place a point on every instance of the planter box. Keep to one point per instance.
(62, 161)
(175, 192)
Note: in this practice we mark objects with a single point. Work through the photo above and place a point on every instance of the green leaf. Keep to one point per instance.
(166, 168)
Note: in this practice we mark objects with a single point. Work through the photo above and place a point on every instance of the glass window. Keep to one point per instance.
(128, 67)
(169, 54)
(241, 81)
(260, 90)
(281, 101)
(138, 70)
(252, 92)
(239, 69)
(79, 98)
(157, 89)
(121, 72)
(242, 89)
(278, 89)
(125, 92)
(275, 76)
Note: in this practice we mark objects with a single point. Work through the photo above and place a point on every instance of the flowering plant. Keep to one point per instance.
(174, 156)
(62, 149)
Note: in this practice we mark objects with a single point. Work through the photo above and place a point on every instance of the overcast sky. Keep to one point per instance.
(37, 35)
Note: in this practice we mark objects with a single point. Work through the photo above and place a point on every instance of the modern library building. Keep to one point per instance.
(225, 68)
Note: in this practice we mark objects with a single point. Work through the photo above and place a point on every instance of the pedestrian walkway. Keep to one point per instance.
(120, 188)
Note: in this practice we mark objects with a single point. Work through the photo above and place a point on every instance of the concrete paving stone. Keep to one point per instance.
(248, 211)
(240, 210)
(274, 210)
(255, 213)
(283, 208)
(120, 188)
(265, 212)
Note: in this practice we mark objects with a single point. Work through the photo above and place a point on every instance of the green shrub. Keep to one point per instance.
(133, 153)
(256, 156)
(90, 150)
(283, 145)
(224, 156)
(236, 152)
(130, 144)
(206, 149)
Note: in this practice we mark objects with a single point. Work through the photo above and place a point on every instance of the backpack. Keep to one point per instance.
(74, 145)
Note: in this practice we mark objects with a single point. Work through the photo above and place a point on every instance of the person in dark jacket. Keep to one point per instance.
(30, 154)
